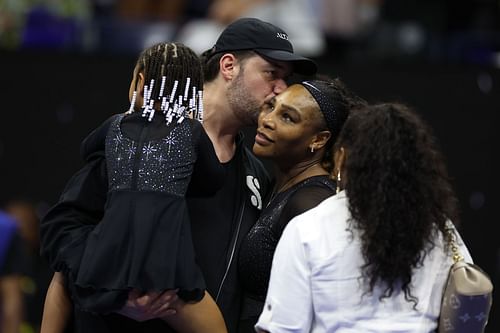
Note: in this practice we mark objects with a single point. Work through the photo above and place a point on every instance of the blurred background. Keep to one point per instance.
(66, 65)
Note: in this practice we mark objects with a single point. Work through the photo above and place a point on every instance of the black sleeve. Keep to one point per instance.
(80, 205)
(95, 141)
(208, 174)
(301, 201)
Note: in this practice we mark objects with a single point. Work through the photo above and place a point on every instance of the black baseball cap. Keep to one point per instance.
(265, 39)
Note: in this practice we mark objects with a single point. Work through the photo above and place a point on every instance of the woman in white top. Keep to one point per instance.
(372, 258)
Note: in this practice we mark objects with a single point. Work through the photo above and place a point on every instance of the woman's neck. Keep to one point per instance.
(296, 174)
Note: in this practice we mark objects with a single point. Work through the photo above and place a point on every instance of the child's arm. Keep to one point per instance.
(57, 307)
(200, 317)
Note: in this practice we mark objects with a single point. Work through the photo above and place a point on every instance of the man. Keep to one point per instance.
(248, 64)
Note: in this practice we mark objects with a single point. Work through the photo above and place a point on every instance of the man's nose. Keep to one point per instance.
(279, 86)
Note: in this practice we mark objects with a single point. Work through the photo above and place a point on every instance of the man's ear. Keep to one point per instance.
(227, 65)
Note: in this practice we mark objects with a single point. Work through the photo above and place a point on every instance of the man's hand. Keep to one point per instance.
(142, 307)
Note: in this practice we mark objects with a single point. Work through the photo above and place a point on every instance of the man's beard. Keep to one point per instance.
(245, 107)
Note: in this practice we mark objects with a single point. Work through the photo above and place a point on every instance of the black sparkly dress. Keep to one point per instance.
(143, 241)
(257, 250)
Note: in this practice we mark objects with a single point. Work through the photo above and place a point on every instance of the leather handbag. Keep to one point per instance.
(467, 297)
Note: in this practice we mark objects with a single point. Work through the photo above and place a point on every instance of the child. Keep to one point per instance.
(143, 242)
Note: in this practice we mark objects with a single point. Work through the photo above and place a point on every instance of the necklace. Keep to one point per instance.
(285, 186)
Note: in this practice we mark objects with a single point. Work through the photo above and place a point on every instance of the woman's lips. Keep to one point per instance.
(262, 139)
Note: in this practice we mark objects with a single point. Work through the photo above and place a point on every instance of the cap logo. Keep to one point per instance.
(282, 35)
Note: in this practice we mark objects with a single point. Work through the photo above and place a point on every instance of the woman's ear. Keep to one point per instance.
(320, 139)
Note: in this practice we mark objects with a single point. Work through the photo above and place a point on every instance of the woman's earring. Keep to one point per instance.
(312, 149)
(337, 190)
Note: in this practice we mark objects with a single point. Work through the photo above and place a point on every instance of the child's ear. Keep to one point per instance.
(140, 83)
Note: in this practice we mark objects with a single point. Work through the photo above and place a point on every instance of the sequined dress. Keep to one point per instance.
(257, 249)
(143, 241)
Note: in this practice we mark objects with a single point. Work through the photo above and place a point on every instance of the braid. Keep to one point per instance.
(163, 65)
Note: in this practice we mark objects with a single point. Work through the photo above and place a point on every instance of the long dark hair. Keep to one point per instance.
(398, 189)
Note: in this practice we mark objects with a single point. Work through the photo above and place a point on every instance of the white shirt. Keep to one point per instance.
(315, 285)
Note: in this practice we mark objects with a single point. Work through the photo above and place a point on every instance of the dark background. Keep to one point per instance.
(54, 94)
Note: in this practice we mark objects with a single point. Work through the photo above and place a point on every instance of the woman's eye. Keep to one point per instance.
(268, 107)
(287, 117)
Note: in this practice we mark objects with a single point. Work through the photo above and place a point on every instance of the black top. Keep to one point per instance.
(257, 250)
(232, 212)
(82, 203)
(143, 241)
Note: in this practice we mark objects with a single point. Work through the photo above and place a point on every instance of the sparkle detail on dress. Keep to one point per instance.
(165, 165)
(257, 249)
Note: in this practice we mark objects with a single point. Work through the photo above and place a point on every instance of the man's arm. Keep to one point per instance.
(81, 204)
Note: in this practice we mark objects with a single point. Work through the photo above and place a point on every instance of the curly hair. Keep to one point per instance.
(398, 189)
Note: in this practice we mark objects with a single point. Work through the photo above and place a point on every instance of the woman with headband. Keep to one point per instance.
(375, 257)
(296, 132)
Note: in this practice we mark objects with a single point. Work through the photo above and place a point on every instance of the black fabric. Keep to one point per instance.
(210, 231)
(257, 251)
(214, 262)
(82, 203)
(143, 241)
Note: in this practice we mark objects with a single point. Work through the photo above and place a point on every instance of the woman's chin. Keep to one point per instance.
(260, 151)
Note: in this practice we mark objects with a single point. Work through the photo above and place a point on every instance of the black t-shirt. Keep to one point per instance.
(221, 209)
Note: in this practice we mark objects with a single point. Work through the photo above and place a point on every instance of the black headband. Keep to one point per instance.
(321, 92)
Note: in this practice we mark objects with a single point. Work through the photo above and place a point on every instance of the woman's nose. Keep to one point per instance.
(266, 119)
